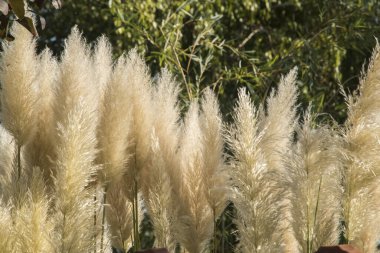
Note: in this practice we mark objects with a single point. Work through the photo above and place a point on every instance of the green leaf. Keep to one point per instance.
(27, 22)
(18, 7)
(4, 8)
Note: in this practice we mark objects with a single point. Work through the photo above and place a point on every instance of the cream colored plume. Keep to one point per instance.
(279, 122)
(18, 70)
(140, 99)
(119, 215)
(195, 219)
(256, 195)
(215, 176)
(76, 81)
(73, 203)
(76, 116)
(314, 174)
(40, 151)
(362, 162)
(115, 125)
(277, 125)
(161, 187)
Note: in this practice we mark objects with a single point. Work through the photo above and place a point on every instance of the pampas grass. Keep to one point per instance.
(196, 219)
(361, 163)
(253, 195)
(161, 187)
(76, 149)
(19, 95)
(114, 129)
(87, 147)
(40, 150)
(314, 174)
(73, 202)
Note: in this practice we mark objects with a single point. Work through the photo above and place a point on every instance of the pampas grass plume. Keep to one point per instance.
(161, 187)
(361, 164)
(253, 195)
(314, 173)
(19, 95)
(215, 177)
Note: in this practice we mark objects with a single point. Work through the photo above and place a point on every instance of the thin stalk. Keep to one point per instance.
(95, 219)
(316, 209)
(137, 216)
(308, 249)
(215, 244)
(223, 228)
(19, 161)
(103, 216)
(134, 227)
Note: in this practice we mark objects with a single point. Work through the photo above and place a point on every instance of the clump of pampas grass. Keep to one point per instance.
(87, 146)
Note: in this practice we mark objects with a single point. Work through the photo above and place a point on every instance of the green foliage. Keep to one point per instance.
(228, 44)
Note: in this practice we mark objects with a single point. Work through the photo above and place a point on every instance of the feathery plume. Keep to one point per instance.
(102, 63)
(278, 129)
(76, 81)
(215, 174)
(33, 226)
(279, 122)
(361, 165)
(314, 174)
(19, 95)
(76, 152)
(75, 113)
(119, 215)
(195, 219)
(114, 129)
(140, 97)
(40, 150)
(115, 125)
(161, 188)
(255, 194)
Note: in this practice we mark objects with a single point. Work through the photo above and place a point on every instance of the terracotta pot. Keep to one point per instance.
(344, 248)
(163, 250)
